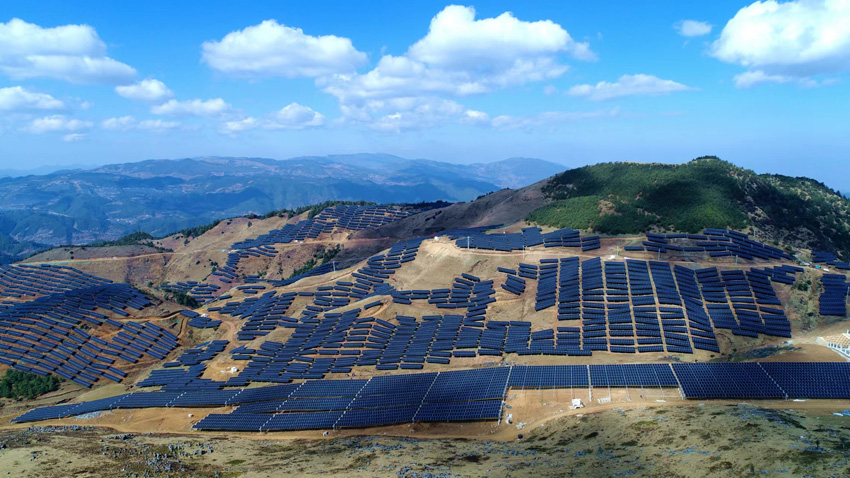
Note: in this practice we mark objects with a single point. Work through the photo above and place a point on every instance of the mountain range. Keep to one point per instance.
(160, 196)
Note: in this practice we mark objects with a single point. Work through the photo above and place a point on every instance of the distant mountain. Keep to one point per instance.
(161, 196)
(15, 173)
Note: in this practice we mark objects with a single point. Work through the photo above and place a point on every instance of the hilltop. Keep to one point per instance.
(629, 198)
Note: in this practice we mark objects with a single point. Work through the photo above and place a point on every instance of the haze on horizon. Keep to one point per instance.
(763, 84)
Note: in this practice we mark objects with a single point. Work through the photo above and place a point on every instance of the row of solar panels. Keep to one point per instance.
(53, 334)
(716, 242)
(462, 395)
(21, 281)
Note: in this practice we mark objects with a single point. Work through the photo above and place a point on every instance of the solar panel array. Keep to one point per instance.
(764, 380)
(58, 333)
(829, 258)
(465, 395)
(833, 299)
(714, 242)
(199, 353)
(329, 220)
(199, 321)
(25, 281)
(529, 237)
(620, 307)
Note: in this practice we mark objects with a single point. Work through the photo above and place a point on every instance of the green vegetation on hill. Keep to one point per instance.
(24, 385)
(320, 257)
(185, 299)
(197, 230)
(631, 198)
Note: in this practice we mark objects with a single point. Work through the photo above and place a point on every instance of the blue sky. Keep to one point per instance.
(763, 84)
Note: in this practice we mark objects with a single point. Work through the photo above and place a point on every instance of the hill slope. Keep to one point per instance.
(625, 198)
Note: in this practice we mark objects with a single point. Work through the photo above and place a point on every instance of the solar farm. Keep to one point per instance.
(465, 326)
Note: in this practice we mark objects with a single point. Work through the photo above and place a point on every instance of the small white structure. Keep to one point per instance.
(576, 404)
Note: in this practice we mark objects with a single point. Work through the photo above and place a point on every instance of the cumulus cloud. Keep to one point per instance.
(123, 123)
(796, 39)
(17, 98)
(57, 123)
(751, 78)
(246, 124)
(127, 123)
(272, 49)
(147, 91)
(291, 117)
(456, 40)
(459, 56)
(549, 118)
(410, 113)
(73, 137)
(295, 116)
(73, 53)
(692, 28)
(204, 108)
(627, 85)
(463, 56)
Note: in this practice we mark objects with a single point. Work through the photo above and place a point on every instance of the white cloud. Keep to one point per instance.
(57, 123)
(73, 137)
(410, 113)
(123, 123)
(751, 78)
(73, 53)
(148, 91)
(127, 123)
(459, 56)
(549, 118)
(157, 125)
(456, 40)
(295, 116)
(627, 85)
(550, 90)
(475, 117)
(205, 108)
(692, 28)
(271, 49)
(290, 117)
(398, 114)
(798, 39)
(17, 98)
(232, 127)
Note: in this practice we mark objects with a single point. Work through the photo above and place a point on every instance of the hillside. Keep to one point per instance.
(628, 198)
(161, 196)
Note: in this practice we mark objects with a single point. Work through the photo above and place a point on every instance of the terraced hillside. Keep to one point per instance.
(423, 322)
(439, 329)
